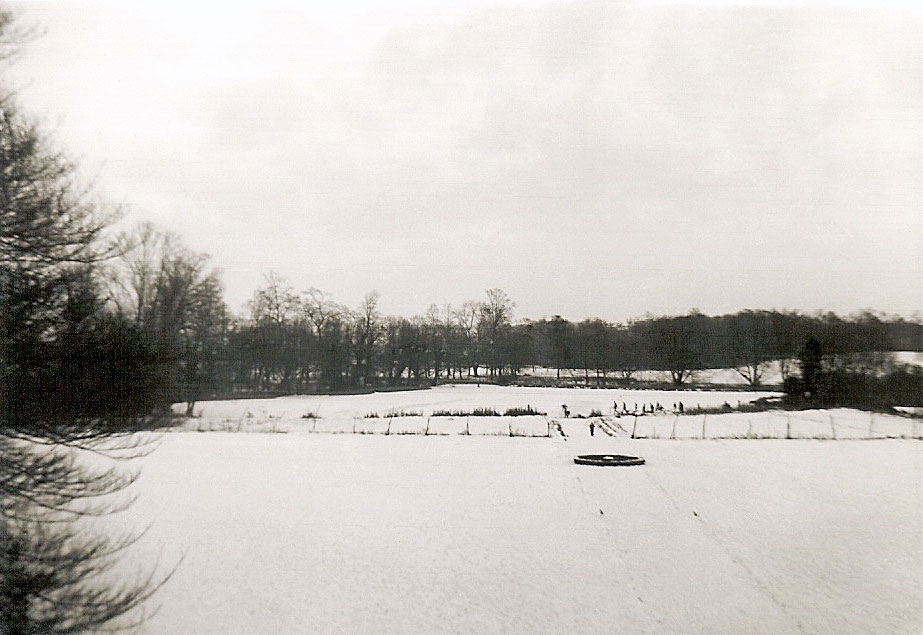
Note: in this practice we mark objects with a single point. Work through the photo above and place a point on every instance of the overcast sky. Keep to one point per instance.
(591, 159)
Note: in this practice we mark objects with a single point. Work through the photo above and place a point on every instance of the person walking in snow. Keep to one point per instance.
(592, 428)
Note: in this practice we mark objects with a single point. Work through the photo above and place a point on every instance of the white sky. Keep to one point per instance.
(599, 158)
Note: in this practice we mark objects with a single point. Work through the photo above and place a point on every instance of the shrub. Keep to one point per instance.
(484, 412)
(596, 413)
(404, 413)
(522, 412)
(450, 413)
(843, 387)
(307, 415)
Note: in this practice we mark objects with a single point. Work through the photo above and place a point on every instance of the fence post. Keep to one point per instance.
(749, 428)
(388, 431)
(314, 429)
(354, 425)
(673, 432)
(467, 431)
(788, 426)
(704, 419)
(426, 431)
(871, 425)
(634, 427)
(832, 426)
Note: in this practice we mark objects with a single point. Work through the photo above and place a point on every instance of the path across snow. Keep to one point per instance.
(411, 534)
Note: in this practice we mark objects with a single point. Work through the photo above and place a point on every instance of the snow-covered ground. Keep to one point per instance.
(337, 412)
(348, 414)
(323, 533)
(431, 530)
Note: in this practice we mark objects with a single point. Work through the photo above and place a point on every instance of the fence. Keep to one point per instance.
(529, 426)
(812, 424)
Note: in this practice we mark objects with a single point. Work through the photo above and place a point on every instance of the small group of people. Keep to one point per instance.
(646, 408)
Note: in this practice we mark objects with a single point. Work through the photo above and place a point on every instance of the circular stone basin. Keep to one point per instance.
(608, 460)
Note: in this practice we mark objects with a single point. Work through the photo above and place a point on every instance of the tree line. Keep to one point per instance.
(289, 341)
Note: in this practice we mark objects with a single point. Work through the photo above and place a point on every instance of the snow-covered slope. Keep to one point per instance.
(299, 533)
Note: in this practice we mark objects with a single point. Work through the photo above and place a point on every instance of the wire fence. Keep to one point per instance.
(774, 424)
(816, 424)
(499, 426)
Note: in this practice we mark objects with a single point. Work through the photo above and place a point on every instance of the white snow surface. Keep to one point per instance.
(337, 412)
(352, 533)
(348, 414)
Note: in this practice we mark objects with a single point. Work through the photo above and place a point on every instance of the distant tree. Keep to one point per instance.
(675, 344)
(749, 341)
(390, 353)
(811, 365)
(466, 320)
(594, 348)
(494, 322)
(366, 333)
(319, 311)
(560, 334)
(437, 335)
(519, 347)
(334, 351)
(274, 310)
(169, 292)
(626, 351)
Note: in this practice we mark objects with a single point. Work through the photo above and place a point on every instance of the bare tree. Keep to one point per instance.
(274, 309)
(494, 321)
(749, 339)
(674, 344)
(170, 293)
(323, 317)
(135, 274)
(466, 318)
(366, 333)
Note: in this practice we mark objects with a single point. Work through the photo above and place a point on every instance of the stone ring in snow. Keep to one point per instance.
(608, 460)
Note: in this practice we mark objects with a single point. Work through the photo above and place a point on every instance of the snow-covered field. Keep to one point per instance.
(324, 533)
(300, 532)
(338, 412)
(348, 414)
